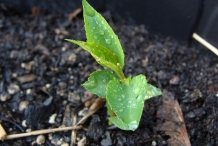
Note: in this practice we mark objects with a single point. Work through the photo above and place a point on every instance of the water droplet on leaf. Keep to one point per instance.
(108, 41)
(133, 125)
(136, 90)
(101, 32)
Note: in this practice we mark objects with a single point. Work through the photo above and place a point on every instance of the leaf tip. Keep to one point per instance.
(87, 8)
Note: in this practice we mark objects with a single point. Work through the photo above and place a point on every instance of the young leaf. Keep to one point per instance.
(99, 32)
(97, 82)
(119, 123)
(101, 54)
(127, 101)
(151, 91)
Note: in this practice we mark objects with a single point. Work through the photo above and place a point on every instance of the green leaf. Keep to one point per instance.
(99, 32)
(97, 82)
(101, 54)
(152, 91)
(127, 101)
(119, 123)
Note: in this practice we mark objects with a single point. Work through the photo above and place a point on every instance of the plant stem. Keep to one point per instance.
(121, 74)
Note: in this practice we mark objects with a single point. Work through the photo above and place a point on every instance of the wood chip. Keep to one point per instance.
(173, 125)
(3, 134)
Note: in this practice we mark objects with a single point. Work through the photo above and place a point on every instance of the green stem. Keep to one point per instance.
(121, 74)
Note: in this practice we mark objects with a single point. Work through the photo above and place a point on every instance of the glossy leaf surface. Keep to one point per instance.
(97, 82)
(99, 32)
(101, 54)
(152, 91)
(127, 101)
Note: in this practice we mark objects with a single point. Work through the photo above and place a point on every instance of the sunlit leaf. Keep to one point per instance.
(151, 91)
(127, 101)
(97, 82)
(99, 32)
(101, 54)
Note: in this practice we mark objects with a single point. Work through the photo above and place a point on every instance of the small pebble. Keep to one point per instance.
(52, 119)
(60, 142)
(28, 130)
(28, 91)
(191, 115)
(73, 97)
(4, 97)
(82, 142)
(24, 123)
(13, 88)
(62, 85)
(50, 136)
(64, 144)
(27, 66)
(154, 143)
(40, 139)
(175, 80)
(64, 102)
(162, 75)
(14, 75)
(48, 85)
(26, 78)
(23, 105)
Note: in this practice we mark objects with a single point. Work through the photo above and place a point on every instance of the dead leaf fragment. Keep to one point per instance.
(173, 125)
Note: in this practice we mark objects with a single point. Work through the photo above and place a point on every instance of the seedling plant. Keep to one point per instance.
(125, 96)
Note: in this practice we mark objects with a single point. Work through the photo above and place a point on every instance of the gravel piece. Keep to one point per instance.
(26, 78)
(82, 142)
(52, 119)
(4, 97)
(107, 140)
(13, 88)
(23, 105)
(174, 80)
(40, 139)
(191, 115)
(73, 97)
(64, 144)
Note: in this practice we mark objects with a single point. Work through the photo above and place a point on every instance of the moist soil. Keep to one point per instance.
(41, 77)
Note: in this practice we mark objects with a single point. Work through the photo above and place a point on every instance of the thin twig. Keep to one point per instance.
(205, 43)
(37, 132)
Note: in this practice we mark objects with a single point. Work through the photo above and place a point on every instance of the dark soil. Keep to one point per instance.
(36, 63)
